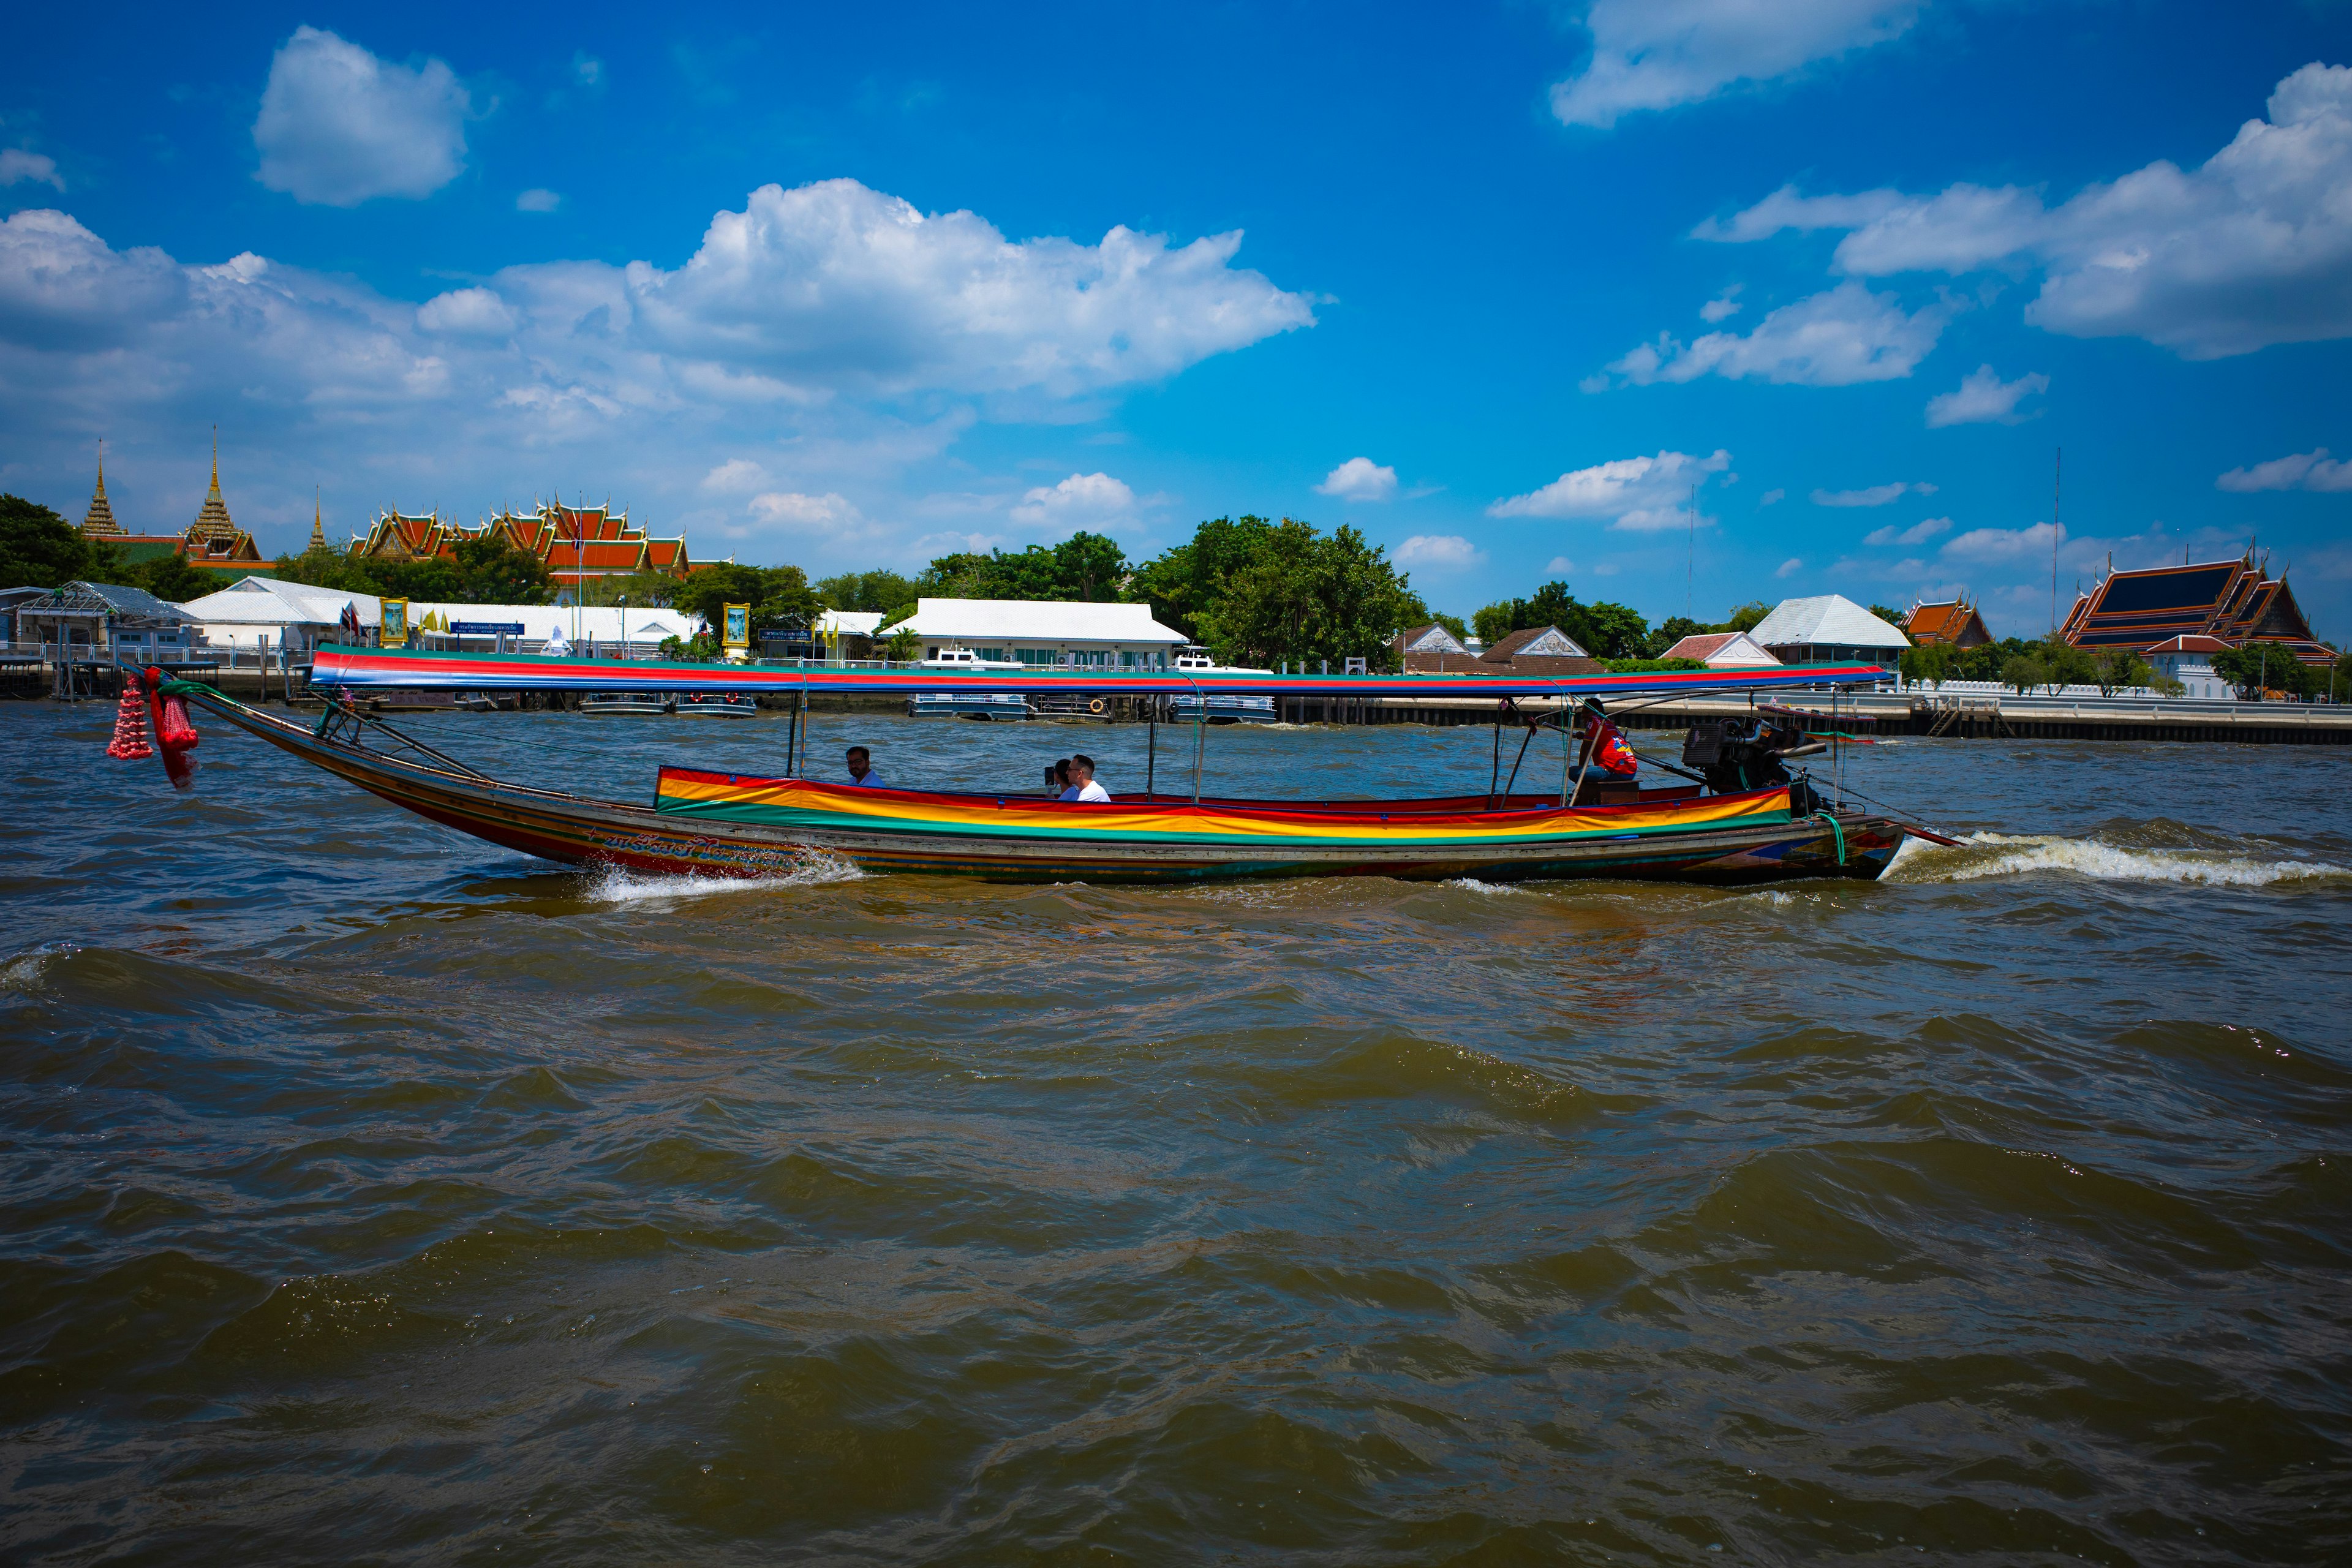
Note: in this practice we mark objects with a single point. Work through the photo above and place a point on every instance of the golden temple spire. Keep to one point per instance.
(319, 521)
(99, 520)
(212, 521)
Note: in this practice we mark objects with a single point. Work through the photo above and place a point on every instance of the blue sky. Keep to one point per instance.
(1501, 286)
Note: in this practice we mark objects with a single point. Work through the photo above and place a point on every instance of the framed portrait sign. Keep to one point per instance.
(736, 632)
(394, 633)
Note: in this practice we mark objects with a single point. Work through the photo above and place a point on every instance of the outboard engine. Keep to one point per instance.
(1735, 755)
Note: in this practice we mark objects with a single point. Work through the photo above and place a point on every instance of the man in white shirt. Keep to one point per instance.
(861, 771)
(1082, 781)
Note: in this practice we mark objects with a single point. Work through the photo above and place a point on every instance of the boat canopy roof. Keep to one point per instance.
(419, 670)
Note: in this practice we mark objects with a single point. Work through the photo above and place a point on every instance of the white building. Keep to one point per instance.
(2188, 660)
(1045, 632)
(549, 628)
(264, 613)
(1829, 628)
(1723, 650)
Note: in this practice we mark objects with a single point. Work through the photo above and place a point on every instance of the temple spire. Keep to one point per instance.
(319, 519)
(99, 520)
(212, 521)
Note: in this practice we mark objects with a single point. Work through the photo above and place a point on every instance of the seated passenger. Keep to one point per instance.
(1082, 781)
(861, 771)
(1058, 778)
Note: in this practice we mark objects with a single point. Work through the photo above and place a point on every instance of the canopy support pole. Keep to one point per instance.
(1524, 743)
(1151, 745)
(1495, 776)
(1566, 750)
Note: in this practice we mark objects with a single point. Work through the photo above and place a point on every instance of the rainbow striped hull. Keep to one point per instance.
(716, 824)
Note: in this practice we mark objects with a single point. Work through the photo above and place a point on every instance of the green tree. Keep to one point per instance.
(2024, 672)
(492, 572)
(1306, 595)
(1892, 617)
(2067, 665)
(1671, 631)
(169, 578)
(1746, 617)
(905, 645)
(1929, 664)
(779, 597)
(1602, 629)
(2120, 667)
(882, 590)
(2259, 667)
(1185, 584)
(1452, 623)
(653, 590)
(40, 549)
(1612, 631)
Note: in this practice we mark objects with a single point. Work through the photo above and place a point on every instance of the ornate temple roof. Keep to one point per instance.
(2232, 601)
(1953, 622)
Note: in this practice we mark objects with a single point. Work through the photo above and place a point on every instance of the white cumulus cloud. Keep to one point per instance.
(1722, 308)
(1790, 567)
(1656, 54)
(2250, 249)
(1359, 479)
(474, 312)
(736, 476)
(827, 513)
(1082, 500)
(1983, 398)
(1918, 533)
(538, 200)
(834, 281)
(18, 165)
(1438, 553)
(837, 333)
(337, 126)
(1558, 566)
(1637, 494)
(2313, 470)
(1873, 495)
(1838, 338)
(2005, 543)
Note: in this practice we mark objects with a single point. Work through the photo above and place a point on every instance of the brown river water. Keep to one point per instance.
(373, 1194)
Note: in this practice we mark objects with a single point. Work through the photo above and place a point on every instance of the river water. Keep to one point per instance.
(375, 1195)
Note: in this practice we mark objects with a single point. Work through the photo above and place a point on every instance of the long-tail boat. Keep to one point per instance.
(1730, 827)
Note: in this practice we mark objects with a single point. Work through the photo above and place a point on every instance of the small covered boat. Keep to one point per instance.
(620, 705)
(1740, 819)
(717, 705)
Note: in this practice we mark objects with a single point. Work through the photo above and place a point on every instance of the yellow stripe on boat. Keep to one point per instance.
(804, 804)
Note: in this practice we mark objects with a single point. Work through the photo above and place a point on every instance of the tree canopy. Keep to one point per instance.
(486, 571)
(38, 549)
(1603, 629)
(1083, 567)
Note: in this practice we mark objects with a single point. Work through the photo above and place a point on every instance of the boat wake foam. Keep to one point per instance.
(1985, 854)
(23, 972)
(617, 884)
(1472, 885)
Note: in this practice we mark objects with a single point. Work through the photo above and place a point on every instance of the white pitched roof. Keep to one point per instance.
(1827, 619)
(1723, 650)
(266, 601)
(1037, 621)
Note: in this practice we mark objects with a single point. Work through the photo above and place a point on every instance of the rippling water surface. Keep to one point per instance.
(374, 1194)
